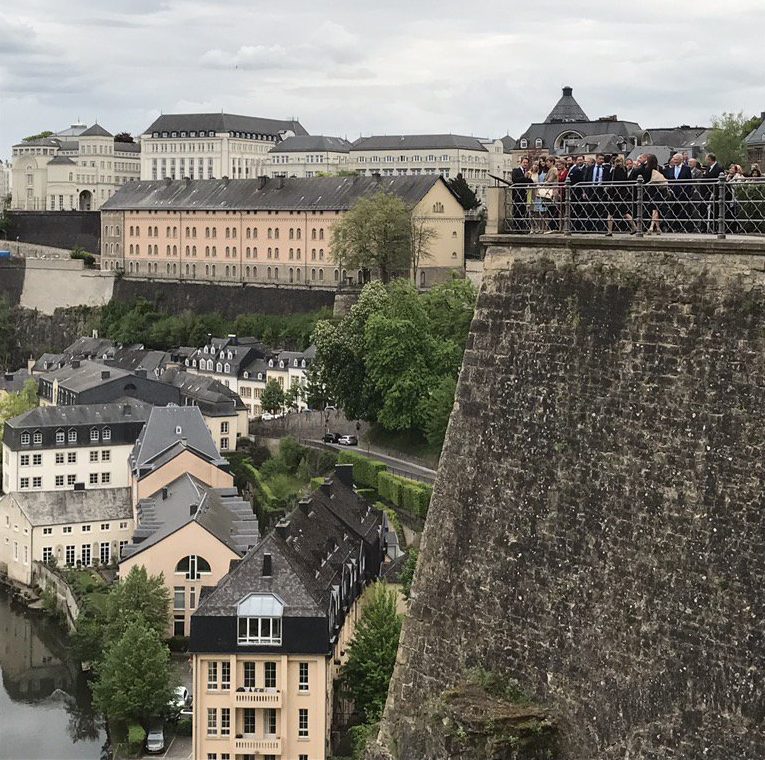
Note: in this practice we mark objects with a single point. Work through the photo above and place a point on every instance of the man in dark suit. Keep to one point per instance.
(680, 210)
(595, 195)
(708, 190)
(576, 176)
(521, 180)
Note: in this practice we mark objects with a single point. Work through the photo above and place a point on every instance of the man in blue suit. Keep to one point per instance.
(680, 209)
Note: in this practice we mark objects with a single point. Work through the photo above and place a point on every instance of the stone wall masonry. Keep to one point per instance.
(596, 530)
(47, 580)
(229, 300)
(62, 229)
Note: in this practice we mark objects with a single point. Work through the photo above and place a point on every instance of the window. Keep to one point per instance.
(24, 483)
(105, 554)
(59, 457)
(60, 436)
(225, 721)
(37, 482)
(255, 630)
(179, 621)
(70, 555)
(93, 478)
(193, 567)
(47, 531)
(71, 457)
(212, 675)
(106, 435)
(270, 721)
(269, 675)
(47, 553)
(249, 720)
(249, 675)
(303, 677)
(93, 456)
(179, 598)
(85, 555)
(212, 721)
(24, 460)
(225, 675)
(59, 481)
(93, 434)
(70, 479)
(303, 723)
(67, 529)
(123, 525)
(106, 477)
(72, 436)
(25, 439)
(224, 427)
(105, 526)
(86, 528)
(224, 444)
(37, 438)
(106, 455)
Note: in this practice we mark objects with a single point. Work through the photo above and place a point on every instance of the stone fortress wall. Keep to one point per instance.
(597, 526)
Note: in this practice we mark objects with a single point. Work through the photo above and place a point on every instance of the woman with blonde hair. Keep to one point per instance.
(655, 193)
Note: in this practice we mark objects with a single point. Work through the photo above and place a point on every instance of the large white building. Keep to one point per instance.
(308, 156)
(77, 169)
(211, 145)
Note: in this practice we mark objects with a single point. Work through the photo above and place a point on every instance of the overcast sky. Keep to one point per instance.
(350, 68)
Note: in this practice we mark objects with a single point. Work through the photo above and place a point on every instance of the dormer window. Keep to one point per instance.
(302, 363)
(270, 362)
(93, 434)
(260, 620)
(37, 438)
(227, 367)
(229, 355)
(260, 375)
(538, 142)
(205, 350)
(60, 436)
(187, 362)
(246, 375)
(106, 435)
(25, 439)
(219, 367)
(281, 364)
(294, 363)
(524, 143)
(72, 436)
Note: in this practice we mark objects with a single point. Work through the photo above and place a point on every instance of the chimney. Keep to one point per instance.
(105, 374)
(282, 528)
(8, 376)
(193, 509)
(164, 494)
(225, 180)
(305, 505)
(344, 474)
(262, 182)
(377, 177)
(186, 181)
(280, 182)
(568, 91)
(326, 487)
(75, 363)
(127, 410)
(267, 566)
(168, 181)
(140, 373)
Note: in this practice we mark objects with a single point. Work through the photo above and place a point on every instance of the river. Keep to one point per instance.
(45, 709)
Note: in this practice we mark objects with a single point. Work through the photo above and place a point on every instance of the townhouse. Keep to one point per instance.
(267, 643)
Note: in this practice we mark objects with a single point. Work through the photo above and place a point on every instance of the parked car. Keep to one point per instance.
(155, 739)
(348, 440)
(180, 698)
(330, 437)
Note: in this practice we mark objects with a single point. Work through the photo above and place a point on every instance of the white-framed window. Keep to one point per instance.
(93, 478)
(225, 675)
(72, 436)
(66, 529)
(24, 460)
(105, 526)
(37, 482)
(94, 456)
(303, 677)
(23, 483)
(269, 675)
(179, 597)
(225, 721)
(60, 436)
(59, 457)
(25, 439)
(303, 723)
(269, 716)
(85, 555)
(71, 479)
(106, 435)
(212, 675)
(94, 434)
(106, 455)
(224, 444)
(70, 555)
(37, 438)
(47, 531)
(224, 427)
(212, 721)
(36, 459)
(123, 525)
(106, 477)
(47, 553)
(71, 457)
(59, 481)
(105, 553)
(85, 528)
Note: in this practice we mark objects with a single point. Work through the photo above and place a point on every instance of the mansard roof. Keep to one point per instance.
(418, 142)
(224, 122)
(308, 143)
(566, 109)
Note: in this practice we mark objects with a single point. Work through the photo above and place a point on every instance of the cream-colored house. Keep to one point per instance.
(211, 145)
(190, 533)
(175, 441)
(78, 169)
(308, 156)
(74, 527)
(268, 231)
(57, 448)
(268, 642)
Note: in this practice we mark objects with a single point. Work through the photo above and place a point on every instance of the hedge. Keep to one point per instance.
(408, 494)
(136, 737)
(264, 493)
(365, 471)
(317, 482)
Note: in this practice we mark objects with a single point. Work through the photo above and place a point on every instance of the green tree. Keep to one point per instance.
(407, 573)
(14, 404)
(272, 399)
(421, 237)
(372, 653)
(133, 682)
(124, 137)
(39, 136)
(437, 408)
(293, 396)
(316, 395)
(375, 234)
(727, 138)
(465, 194)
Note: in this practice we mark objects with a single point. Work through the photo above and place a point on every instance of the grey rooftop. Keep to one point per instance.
(63, 507)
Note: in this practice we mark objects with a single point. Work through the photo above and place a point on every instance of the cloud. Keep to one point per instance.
(253, 57)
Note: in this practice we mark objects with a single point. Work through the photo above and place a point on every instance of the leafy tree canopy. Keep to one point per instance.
(124, 137)
(272, 399)
(138, 594)
(727, 138)
(14, 404)
(465, 194)
(40, 136)
(372, 653)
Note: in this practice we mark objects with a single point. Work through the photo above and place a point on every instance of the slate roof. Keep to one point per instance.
(418, 142)
(550, 132)
(88, 374)
(309, 551)
(87, 347)
(171, 429)
(285, 193)
(47, 362)
(43, 142)
(82, 414)
(206, 392)
(566, 109)
(62, 507)
(96, 130)
(221, 511)
(126, 147)
(676, 136)
(223, 122)
(606, 143)
(307, 143)
(242, 351)
(61, 160)
(13, 382)
(508, 143)
(756, 136)
(132, 359)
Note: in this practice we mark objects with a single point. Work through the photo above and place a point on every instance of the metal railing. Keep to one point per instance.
(694, 207)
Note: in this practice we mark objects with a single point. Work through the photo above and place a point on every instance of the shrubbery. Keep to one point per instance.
(136, 737)
(365, 470)
(408, 494)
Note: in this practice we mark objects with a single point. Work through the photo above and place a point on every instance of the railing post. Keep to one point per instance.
(567, 207)
(721, 208)
(639, 206)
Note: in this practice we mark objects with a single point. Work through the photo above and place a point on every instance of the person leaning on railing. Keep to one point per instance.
(655, 193)
(619, 206)
(521, 180)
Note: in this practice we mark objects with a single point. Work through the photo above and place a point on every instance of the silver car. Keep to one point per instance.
(155, 740)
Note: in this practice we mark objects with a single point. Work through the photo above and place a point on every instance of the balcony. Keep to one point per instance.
(272, 746)
(255, 697)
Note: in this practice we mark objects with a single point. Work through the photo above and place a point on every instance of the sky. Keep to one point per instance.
(391, 66)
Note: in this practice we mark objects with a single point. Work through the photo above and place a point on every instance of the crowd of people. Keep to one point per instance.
(605, 195)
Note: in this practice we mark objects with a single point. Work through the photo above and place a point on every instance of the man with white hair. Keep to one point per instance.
(680, 209)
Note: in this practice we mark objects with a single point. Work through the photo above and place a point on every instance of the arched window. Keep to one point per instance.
(321, 254)
(227, 271)
(233, 271)
(337, 275)
(276, 233)
(321, 234)
(321, 274)
(299, 233)
(269, 273)
(246, 271)
(227, 367)
(193, 567)
(233, 232)
(292, 234)
(524, 143)
(538, 142)
(313, 234)
(276, 273)
(313, 274)
(270, 233)
(297, 275)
